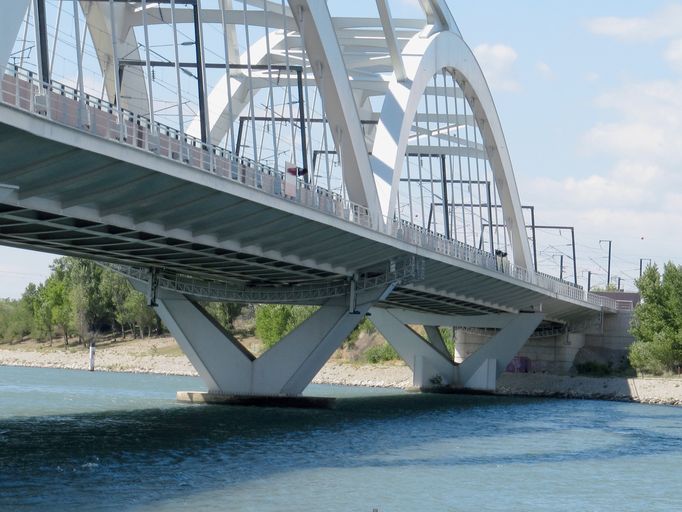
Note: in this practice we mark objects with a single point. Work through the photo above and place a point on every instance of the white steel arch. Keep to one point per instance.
(13, 15)
(327, 63)
(423, 57)
(351, 60)
(172, 203)
(134, 89)
(220, 105)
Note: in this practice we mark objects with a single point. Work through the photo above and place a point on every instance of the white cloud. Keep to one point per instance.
(673, 54)
(497, 62)
(629, 185)
(629, 205)
(649, 124)
(661, 24)
(625, 139)
(545, 70)
(636, 200)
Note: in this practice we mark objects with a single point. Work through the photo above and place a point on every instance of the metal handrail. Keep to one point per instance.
(102, 118)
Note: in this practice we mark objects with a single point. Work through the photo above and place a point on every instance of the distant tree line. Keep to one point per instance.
(82, 300)
(79, 300)
(657, 321)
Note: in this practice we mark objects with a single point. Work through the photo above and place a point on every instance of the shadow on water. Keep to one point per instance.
(142, 456)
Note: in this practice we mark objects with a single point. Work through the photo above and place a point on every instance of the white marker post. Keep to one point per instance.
(92, 355)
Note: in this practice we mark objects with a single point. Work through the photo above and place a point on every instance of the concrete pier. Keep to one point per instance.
(300, 402)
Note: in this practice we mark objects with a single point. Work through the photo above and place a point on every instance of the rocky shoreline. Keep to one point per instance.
(646, 390)
(161, 356)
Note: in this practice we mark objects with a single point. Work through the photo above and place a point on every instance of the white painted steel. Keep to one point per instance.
(423, 58)
(345, 63)
(218, 358)
(285, 370)
(19, 92)
(12, 15)
(331, 75)
(438, 16)
(436, 339)
(133, 92)
(492, 321)
(429, 365)
(501, 348)
(389, 30)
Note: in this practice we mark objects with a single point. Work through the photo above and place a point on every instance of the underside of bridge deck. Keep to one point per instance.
(120, 205)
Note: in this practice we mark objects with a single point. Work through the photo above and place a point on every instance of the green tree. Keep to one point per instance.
(8, 312)
(657, 321)
(138, 315)
(16, 319)
(42, 314)
(27, 307)
(274, 321)
(90, 311)
(59, 303)
(224, 312)
(115, 290)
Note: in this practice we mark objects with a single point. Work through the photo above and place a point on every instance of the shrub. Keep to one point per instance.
(380, 353)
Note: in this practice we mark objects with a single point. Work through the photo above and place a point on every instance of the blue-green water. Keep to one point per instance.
(74, 440)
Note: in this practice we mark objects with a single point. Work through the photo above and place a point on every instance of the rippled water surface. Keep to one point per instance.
(74, 440)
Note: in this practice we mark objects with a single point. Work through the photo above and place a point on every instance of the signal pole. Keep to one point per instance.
(608, 271)
(642, 260)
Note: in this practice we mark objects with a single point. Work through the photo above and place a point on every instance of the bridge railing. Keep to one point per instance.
(66, 105)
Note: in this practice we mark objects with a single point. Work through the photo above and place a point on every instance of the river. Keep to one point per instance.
(73, 440)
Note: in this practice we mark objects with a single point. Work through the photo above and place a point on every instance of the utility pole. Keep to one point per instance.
(561, 267)
(642, 260)
(619, 284)
(589, 280)
(608, 271)
(41, 37)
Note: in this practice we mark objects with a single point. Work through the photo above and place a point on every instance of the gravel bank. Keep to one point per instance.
(152, 356)
(649, 390)
(138, 356)
(161, 355)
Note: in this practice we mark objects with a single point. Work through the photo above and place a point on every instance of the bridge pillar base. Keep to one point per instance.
(430, 366)
(298, 402)
(286, 369)
(430, 361)
(481, 369)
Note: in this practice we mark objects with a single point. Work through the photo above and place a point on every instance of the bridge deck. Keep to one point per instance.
(145, 199)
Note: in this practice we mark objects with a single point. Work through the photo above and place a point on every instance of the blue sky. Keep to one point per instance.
(588, 95)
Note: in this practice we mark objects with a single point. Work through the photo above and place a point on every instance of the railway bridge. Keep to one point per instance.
(277, 152)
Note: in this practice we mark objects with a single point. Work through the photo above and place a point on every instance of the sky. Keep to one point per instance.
(587, 93)
(588, 96)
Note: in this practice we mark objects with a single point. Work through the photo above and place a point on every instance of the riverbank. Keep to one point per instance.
(163, 356)
(648, 390)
